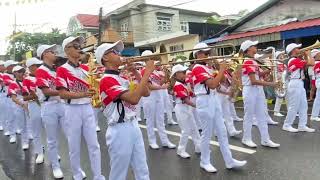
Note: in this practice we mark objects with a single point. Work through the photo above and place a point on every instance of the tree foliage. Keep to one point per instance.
(212, 20)
(24, 42)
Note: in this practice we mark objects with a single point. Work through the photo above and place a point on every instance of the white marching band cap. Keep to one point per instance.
(258, 56)
(17, 68)
(278, 53)
(33, 61)
(71, 39)
(1, 63)
(292, 46)
(43, 48)
(9, 63)
(118, 46)
(178, 68)
(198, 46)
(314, 52)
(146, 53)
(247, 44)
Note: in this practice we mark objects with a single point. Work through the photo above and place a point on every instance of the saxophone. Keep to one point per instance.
(93, 80)
(236, 84)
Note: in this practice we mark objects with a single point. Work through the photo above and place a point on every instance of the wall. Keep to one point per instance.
(301, 9)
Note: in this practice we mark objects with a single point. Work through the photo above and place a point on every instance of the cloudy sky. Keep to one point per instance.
(44, 15)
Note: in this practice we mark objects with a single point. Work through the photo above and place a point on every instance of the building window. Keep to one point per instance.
(184, 26)
(177, 47)
(164, 23)
(124, 27)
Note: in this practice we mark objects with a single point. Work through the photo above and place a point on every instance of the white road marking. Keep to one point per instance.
(215, 143)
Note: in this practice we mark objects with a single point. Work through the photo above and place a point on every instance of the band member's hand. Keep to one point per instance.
(165, 86)
(131, 67)
(307, 53)
(223, 66)
(150, 65)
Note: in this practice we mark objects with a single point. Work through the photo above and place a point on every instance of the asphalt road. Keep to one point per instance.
(297, 158)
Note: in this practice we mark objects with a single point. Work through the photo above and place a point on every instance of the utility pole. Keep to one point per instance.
(100, 27)
(14, 33)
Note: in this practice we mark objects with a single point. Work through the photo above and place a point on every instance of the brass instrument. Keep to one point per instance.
(281, 89)
(316, 45)
(94, 81)
(236, 83)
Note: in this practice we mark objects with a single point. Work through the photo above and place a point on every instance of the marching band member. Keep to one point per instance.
(297, 100)
(210, 112)
(184, 111)
(8, 78)
(52, 109)
(2, 96)
(154, 108)
(224, 96)
(123, 137)
(29, 82)
(316, 104)
(281, 69)
(79, 114)
(254, 97)
(15, 91)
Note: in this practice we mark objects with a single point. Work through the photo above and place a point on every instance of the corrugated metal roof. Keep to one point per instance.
(281, 28)
(88, 20)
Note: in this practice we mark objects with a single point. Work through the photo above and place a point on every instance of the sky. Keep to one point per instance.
(47, 14)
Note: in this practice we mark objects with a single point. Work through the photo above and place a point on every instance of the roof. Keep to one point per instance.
(88, 20)
(249, 16)
(281, 28)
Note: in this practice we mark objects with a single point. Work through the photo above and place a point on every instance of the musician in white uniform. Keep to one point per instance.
(316, 104)
(297, 100)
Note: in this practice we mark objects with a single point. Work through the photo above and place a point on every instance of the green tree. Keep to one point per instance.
(212, 20)
(23, 42)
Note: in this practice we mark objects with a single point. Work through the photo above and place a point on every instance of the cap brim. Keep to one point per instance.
(118, 46)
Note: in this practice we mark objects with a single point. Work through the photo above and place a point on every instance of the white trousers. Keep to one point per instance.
(80, 121)
(226, 111)
(316, 105)
(96, 116)
(37, 125)
(11, 126)
(186, 120)
(52, 115)
(233, 111)
(195, 114)
(3, 109)
(210, 114)
(126, 148)
(154, 113)
(255, 106)
(20, 122)
(168, 104)
(297, 103)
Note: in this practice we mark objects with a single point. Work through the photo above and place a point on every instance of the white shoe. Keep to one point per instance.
(270, 144)
(25, 147)
(12, 140)
(57, 173)
(59, 158)
(6, 133)
(30, 137)
(278, 114)
(306, 129)
(18, 131)
(154, 146)
(98, 129)
(238, 119)
(271, 122)
(169, 145)
(1, 128)
(197, 150)
(234, 133)
(183, 154)
(236, 164)
(289, 129)
(249, 143)
(139, 119)
(83, 174)
(172, 122)
(314, 118)
(208, 167)
(40, 159)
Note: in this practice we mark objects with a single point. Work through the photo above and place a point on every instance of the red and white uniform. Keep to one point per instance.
(185, 117)
(210, 112)
(316, 103)
(84, 67)
(297, 100)
(16, 89)
(111, 87)
(46, 78)
(7, 80)
(80, 119)
(254, 102)
(29, 82)
(74, 80)
(122, 127)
